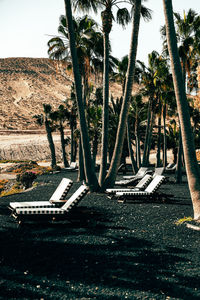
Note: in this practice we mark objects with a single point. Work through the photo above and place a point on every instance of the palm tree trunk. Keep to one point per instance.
(88, 163)
(164, 138)
(192, 168)
(133, 162)
(147, 133)
(149, 140)
(72, 142)
(51, 143)
(159, 142)
(105, 116)
(95, 147)
(112, 173)
(62, 139)
(137, 142)
(81, 173)
(179, 160)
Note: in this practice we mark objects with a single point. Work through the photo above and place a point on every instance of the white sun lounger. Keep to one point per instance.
(57, 198)
(140, 173)
(158, 171)
(73, 166)
(142, 184)
(26, 213)
(147, 193)
(170, 168)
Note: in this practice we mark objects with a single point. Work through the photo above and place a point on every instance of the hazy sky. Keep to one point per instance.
(27, 25)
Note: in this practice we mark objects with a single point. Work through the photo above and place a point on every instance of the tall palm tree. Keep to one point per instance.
(111, 176)
(123, 17)
(137, 116)
(188, 37)
(89, 42)
(88, 163)
(46, 119)
(60, 116)
(192, 168)
(187, 32)
(148, 81)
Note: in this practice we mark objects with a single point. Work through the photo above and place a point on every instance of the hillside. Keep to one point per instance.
(27, 83)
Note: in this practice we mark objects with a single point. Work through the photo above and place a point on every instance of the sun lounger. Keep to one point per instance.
(149, 192)
(140, 173)
(133, 180)
(142, 184)
(73, 167)
(57, 198)
(159, 171)
(51, 212)
(171, 168)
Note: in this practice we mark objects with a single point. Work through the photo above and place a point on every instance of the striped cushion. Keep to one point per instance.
(136, 193)
(40, 211)
(31, 204)
(61, 190)
(113, 191)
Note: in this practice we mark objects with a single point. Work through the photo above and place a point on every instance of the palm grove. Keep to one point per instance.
(156, 114)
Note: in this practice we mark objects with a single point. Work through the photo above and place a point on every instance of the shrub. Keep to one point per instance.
(3, 184)
(26, 179)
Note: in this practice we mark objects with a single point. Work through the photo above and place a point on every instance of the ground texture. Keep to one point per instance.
(110, 251)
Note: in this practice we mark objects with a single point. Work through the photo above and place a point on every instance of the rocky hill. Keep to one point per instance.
(27, 83)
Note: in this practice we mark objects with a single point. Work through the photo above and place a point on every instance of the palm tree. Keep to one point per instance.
(110, 178)
(89, 43)
(120, 75)
(60, 116)
(192, 168)
(123, 17)
(91, 178)
(46, 119)
(137, 116)
(187, 32)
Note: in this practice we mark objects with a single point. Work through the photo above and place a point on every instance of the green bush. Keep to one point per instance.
(26, 179)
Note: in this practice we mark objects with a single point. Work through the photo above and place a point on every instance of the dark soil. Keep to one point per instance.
(111, 250)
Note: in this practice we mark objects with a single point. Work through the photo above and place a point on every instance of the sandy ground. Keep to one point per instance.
(24, 139)
(14, 139)
(32, 139)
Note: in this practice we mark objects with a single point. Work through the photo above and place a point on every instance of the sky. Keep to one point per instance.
(27, 25)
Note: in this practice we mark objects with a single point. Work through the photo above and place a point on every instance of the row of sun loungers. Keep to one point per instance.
(147, 188)
(131, 180)
(58, 204)
(141, 185)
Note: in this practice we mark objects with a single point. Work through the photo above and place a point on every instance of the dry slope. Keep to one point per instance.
(27, 83)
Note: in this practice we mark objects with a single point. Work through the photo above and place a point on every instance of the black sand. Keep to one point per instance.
(113, 251)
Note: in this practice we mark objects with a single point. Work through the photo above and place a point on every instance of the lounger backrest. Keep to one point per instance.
(75, 198)
(144, 181)
(170, 165)
(155, 183)
(141, 171)
(73, 165)
(61, 190)
(159, 171)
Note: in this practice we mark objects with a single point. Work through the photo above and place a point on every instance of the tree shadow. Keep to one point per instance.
(100, 262)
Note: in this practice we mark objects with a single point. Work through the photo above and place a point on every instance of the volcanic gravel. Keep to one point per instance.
(109, 250)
